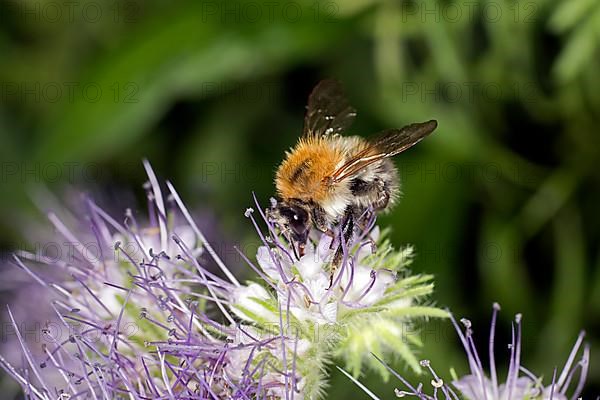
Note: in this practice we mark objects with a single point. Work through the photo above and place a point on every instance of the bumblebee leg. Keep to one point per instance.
(347, 232)
(375, 192)
(383, 200)
(361, 216)
(320, 219)
(320, 222)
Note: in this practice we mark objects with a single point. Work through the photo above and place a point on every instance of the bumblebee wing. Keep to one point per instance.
(387, 144)
(328, 111)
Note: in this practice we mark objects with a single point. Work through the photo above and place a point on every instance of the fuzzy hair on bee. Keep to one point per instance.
(303, 174)
(326, 177)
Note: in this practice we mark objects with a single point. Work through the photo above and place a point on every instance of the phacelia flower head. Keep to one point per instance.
(144, 317)
(138, 315)
(366, 304)
(519, 384)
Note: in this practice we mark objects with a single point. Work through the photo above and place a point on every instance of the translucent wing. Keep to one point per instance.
(328, 111)
(387, 144)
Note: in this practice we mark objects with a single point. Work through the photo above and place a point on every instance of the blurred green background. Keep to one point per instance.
(501, 202)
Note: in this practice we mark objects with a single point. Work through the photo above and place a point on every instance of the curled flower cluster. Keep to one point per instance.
(366, 305)
(520, 383)
(146, 318)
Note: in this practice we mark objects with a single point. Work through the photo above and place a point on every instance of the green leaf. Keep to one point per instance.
(161, 62)
(419, 311)
(569, 13)
(414, 292)
(578, 51)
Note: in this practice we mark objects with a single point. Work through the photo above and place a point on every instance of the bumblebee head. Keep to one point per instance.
(293, 219)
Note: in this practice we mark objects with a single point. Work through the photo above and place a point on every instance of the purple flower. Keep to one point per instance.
(138, 314)
(141, 317)
(520, 383)
(368, 304)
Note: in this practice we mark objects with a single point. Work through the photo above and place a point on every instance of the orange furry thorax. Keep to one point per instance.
(302, 172)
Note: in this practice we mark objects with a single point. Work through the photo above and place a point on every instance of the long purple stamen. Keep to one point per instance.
(468, 389)
(493, 373)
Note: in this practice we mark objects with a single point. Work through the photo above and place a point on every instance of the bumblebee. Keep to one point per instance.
(328, 178)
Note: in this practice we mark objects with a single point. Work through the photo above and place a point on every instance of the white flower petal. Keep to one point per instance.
(266, 263)
(245, 305)
(309, 266)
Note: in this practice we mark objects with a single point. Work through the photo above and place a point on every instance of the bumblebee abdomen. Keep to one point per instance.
(378, 186)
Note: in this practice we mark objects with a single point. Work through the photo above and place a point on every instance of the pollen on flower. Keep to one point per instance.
(437, 383)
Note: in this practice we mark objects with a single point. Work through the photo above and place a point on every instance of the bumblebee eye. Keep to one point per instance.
(297, 219)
